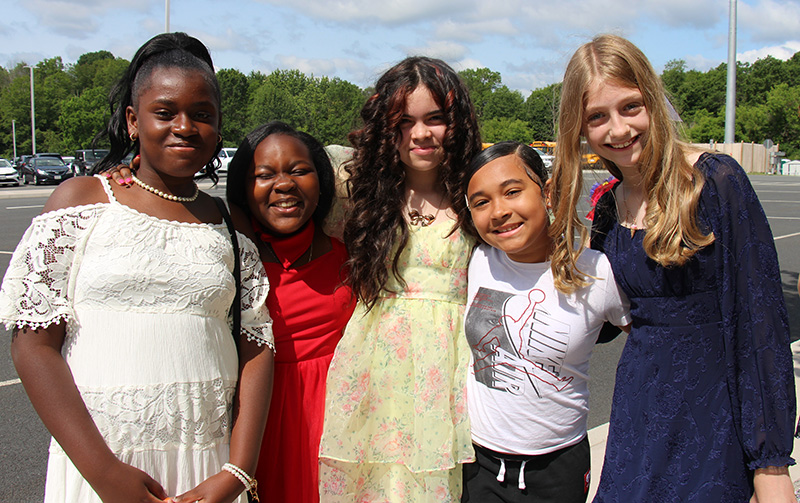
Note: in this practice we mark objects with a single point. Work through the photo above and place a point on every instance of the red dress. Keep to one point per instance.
(310, 310)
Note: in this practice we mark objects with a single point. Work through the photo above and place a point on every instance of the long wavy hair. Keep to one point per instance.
(240, 166)
(672, 184)
(376, 183)
(167, 50)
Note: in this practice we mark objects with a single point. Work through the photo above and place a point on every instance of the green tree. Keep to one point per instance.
(235, 91)
(783, 123)
(82, 117)
(706, 126)
(541, 112)
(504, 128)
(481, 83)
(504, 103)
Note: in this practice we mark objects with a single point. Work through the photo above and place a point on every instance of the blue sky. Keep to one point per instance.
(527, 41)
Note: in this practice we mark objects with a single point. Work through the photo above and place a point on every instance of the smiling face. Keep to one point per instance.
(176, 118)
(615, 122)
(422, 131)
(282, 186)
(509, 210)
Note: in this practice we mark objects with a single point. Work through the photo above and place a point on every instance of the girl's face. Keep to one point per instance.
(176, 119)
(282, 186)
(509, 210)
(615, 122)
(422, 128)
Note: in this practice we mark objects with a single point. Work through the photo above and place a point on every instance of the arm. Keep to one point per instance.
(759, 360)
(48, 381)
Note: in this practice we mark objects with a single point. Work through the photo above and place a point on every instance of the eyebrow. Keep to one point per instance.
(506, 183)
(428, 114)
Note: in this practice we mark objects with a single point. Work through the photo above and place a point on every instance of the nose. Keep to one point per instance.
(420, 131)
(183, 125)
(499, 211)
(618, 126)
(283, 182)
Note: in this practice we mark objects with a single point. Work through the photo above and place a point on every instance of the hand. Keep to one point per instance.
(773, 485)
(124, 483)
(122, 173)
(220, 488)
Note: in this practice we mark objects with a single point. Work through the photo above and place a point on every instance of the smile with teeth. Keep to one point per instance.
(285, 204)
(507, 228)
(623, 145)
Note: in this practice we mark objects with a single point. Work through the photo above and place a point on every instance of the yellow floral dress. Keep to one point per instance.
(396, 426)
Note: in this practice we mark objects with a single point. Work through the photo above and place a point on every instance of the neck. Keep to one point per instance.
(422, 181)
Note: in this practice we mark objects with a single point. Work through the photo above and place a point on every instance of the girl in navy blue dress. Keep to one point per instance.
(704, 403)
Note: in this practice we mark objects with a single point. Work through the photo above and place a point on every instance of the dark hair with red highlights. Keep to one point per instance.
(376, 181)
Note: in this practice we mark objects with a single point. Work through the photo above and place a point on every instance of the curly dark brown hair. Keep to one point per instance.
(376, 182)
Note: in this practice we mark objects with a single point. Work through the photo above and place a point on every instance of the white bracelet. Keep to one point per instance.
(238, 473)
(250, 484)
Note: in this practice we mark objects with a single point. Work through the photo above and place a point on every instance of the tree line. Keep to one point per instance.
(71, 103)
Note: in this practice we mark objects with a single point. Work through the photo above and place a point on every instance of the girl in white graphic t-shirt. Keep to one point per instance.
(531, 337)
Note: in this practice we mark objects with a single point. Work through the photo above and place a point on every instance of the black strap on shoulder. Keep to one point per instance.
(236, 307)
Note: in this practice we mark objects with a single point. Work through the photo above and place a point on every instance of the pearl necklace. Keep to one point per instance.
(164, 195)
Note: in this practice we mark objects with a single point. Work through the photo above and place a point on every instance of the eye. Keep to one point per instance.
(594, 117)
(513, 192)
(162, 113)
(632, 107)
(436, 119)
(478, 204)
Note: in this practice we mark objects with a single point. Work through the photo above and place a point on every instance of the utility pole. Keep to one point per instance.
(33, 115)
(730, 98)
(14, 136)
(166, 17)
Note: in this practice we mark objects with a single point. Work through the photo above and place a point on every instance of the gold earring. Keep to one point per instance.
(219, 138)
(132, 136)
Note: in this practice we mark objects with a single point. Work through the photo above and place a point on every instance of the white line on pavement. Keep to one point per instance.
(3, 384)
(788, 236)
(24, 207)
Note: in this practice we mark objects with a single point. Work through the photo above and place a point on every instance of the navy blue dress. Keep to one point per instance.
(704, 389)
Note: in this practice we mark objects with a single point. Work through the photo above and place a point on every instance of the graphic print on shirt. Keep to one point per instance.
(515, 341)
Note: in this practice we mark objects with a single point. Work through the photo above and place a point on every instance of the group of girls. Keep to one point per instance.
(157, 407)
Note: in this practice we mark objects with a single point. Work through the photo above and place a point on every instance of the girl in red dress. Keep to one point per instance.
(283, 179)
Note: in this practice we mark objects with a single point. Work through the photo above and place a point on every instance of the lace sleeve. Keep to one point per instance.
(36, 290)
(758, 357)
(256, 322)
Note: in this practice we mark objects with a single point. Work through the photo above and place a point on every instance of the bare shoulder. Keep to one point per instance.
(242, 222)
(77, 191)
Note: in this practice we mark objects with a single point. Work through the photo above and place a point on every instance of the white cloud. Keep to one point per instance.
(474, 31)
(390, 12)
(447, 51)
(77, 19)
(770, 20)
(783, 52)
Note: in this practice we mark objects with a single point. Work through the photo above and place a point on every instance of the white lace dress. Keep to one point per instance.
(148, 339)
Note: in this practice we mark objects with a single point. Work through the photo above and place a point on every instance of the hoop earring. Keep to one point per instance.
(132, 136)
(219, 138)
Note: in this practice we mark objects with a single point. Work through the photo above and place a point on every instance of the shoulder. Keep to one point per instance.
(593, 262)
(77, 191)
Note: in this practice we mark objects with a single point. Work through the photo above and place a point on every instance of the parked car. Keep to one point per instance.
(49, 154)
(225, 155)
(8, 174)
(45, 169)
(85, 159)
(547, 159)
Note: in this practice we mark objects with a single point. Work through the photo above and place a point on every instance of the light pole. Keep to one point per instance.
(33, 115)
(166, 17)
(730, 98)
(14, 136)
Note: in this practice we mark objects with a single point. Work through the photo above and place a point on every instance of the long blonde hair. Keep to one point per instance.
(672, 184)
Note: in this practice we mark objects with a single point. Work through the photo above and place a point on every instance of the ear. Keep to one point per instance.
(547, 190)
(133, 123)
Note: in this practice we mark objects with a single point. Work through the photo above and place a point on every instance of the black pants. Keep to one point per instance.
(556, 477)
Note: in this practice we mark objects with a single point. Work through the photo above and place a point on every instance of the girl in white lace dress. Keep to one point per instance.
(119, 299)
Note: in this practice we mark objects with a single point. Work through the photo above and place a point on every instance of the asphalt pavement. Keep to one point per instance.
(24, 441)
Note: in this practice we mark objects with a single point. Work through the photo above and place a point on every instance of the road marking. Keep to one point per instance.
(11, 382)
(769, 201)
(784, 218)
(24, 207)
(6, 253)
(788, 236)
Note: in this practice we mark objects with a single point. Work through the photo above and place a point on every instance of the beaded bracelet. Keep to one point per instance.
(250, 484)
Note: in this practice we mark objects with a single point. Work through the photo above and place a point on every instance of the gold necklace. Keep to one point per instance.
(423, 219)
(630, 219)
(169, 197)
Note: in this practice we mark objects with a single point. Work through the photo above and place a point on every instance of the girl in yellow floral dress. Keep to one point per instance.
(396, 426)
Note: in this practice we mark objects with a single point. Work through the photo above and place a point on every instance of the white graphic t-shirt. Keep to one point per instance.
(528, 383)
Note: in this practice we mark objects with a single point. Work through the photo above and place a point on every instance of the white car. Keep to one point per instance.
(225, 155)
(8, 174)
(547, 159)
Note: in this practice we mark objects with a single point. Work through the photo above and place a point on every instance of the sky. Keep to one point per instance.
(527, 41)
